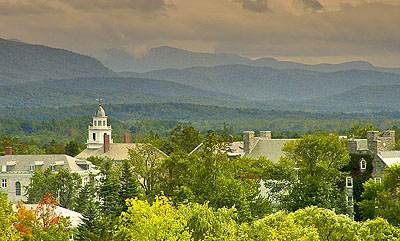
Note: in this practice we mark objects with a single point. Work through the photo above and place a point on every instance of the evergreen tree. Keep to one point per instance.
(89, 229)
(110, 188)
(72, 148)
(130, 187)
(87, 193)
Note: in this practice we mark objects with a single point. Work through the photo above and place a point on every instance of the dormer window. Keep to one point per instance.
(363, 164)
(349, 182)
(4, 168)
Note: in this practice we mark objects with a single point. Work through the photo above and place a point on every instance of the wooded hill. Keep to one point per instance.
(20, 62)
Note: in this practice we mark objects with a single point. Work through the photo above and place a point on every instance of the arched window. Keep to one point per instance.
(94, 136)
(104, 123)
(363, 164)
(17, 189)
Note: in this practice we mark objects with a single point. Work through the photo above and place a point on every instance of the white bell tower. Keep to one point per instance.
(97, 129)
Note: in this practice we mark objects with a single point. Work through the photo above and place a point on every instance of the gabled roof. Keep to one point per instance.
(21, 163)
(389, 157)
(117, 151)
(269, 148)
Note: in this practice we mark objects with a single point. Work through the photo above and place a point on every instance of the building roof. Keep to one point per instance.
(100, 112)
(232, 149)
(117, 151)
(21, 163)
(390, 157)
(269, 148)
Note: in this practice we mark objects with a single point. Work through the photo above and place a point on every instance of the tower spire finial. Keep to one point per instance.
(99, 100)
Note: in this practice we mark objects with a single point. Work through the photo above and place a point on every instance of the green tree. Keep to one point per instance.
(72, 148)
(319, 160)
(159, 221)
(109, 188)
(89, 229)
(360, 132)
(146, 162)
(203, 221)
(63, 184)
(130, 187)
(86, 193)
(186, 137)
(42, 182)
(382, 199)
(67, 185)
(8, 218)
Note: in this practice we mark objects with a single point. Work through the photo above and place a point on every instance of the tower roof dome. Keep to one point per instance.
(100, 112)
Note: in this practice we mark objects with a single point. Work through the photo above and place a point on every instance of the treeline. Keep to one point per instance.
(208, 196)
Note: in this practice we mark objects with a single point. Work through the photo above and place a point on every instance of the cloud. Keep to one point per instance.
(26, 7)
(141, 5)
(258, 6)
(312, 5)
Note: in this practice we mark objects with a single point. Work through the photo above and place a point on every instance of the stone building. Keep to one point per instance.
(381, 150)
(263, 145)
(16, 170)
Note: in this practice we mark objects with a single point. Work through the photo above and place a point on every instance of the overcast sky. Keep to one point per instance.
(309, 31)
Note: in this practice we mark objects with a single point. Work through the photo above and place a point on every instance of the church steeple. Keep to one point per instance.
(97, 129)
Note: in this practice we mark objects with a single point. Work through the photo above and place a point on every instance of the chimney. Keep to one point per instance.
(106, 143)
(248, 141)
(127, 138)
(8, 150)
(230, 138)
(372, 135)
(265, 135)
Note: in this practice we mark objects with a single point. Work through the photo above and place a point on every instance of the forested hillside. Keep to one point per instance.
(68, 92)
(21, 62)
(263, 84)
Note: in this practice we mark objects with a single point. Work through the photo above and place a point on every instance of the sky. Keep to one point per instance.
(309, 31)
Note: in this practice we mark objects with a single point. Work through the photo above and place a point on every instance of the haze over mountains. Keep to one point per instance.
(166, 57)
(41, 76)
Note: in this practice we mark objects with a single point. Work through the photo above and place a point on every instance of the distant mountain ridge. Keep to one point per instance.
(21, 62)
(265, 83)
(166, 57)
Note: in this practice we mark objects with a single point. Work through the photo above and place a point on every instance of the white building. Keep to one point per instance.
(16, 170)
(98, 129)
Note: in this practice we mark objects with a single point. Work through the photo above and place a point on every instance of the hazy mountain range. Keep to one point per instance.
(41, 76)
(172, 58)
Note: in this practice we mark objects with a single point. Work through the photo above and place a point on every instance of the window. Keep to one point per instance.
(32, 168)
(99, 122)
(363, 164)
(349, 182)
(349, 200)
(94, 136)
(104, 123)
(3, 183)
(53, 168)
(378, 180)
(85, 181)
(17, 189)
